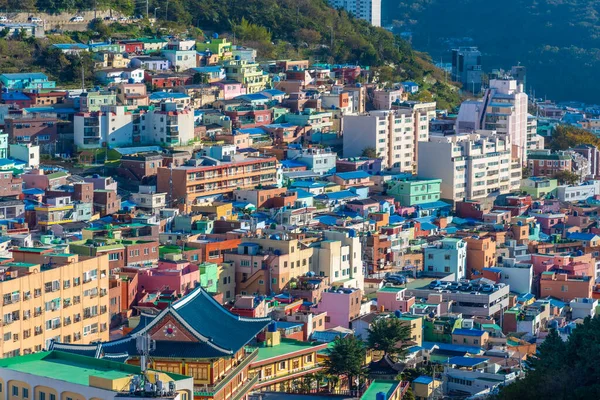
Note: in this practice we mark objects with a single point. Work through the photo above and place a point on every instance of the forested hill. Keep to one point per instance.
(558, 40)
(285, 29)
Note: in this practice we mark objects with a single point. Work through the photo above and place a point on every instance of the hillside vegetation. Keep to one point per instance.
(286, 29)
(558, 40)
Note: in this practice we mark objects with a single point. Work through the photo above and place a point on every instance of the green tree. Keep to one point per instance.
(565, 137)
(369, 152)
(346, 358)
(409, 395)
(559, 370)
(389, 335)
(566, 178)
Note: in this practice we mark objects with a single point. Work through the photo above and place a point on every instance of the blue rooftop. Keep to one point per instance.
(273, 92)
(33, 191)
(252, 131)
(396, 219)
(253, 97)
(70, 46)
(291, 164)
(492, 269)
(302, 194)
(468, 332)
(307, 184)
(423, 379)
(208, 70)
(581, 236)
(343, 194)
(434, 205)
(25, 76)
(466, 361)
(353, 175)
(327, 220)
(426, 226)
(15, 96)
(167, 95)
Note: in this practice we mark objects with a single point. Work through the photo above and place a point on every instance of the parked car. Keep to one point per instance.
(77, 18)
(110, 18)
(3, 19)
(123, 19)
(34, 19)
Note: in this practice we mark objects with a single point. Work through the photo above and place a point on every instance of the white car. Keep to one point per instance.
(123, 19)
(3, 19)
(77, 18)
(34, 19)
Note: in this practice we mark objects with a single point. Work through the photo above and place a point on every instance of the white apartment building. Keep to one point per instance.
(115, 126)
(338, 256)
(320, 161)
(471, 166)
(503, 109)
(111, 126)
(394, 134)
(369, 10)
(534, 141)
(172, 125)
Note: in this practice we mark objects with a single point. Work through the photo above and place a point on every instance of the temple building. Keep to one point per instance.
(194, 336)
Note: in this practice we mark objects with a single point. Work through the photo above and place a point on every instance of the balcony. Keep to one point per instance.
(212, 390)
(294, 373)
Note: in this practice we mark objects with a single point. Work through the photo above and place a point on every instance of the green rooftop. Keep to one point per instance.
(391, 289)
(285, 347)
(20, 265)
(71, 368)
(56, 175)
(377, 386)
(33, 249)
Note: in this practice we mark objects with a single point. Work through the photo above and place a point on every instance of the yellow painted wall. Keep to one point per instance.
(29, 283)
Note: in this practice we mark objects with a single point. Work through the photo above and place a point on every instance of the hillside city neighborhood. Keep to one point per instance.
(206, 224)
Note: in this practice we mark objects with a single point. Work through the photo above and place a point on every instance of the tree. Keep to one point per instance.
(566, 178)
(559, 370)
(346, 358)
(389, 335)
(369, 152)
(564, 137)
(409, 395)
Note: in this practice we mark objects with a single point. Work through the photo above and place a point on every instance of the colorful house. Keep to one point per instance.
(414, 192)
(30, 80)
(247, 73)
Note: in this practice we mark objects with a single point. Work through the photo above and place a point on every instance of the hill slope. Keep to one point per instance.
(288, 29)
(558, 40)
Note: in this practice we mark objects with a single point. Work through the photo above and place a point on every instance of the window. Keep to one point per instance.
(42, 396)
(15, 390)
(113, 257)
(282, 365)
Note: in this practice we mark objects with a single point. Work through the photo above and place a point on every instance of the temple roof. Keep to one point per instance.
(217, 331)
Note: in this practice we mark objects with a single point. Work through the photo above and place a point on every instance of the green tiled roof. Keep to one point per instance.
(56, 175)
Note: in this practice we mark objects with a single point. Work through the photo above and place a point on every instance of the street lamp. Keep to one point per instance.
(155, 8)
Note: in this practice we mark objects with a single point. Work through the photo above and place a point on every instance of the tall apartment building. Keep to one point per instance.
(394, 134)
(471, 166)
(208, 178)
(369, 10)
(48, 296)
(115, 126)
(502, 109)
(466, 68)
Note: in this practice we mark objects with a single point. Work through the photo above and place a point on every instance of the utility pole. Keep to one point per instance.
(146, 9)
(82, 76)
(155, 8)
(167, 11)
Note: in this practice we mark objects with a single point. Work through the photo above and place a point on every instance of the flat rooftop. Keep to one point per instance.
(377, 386)
(71, 368)
(286, 347)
